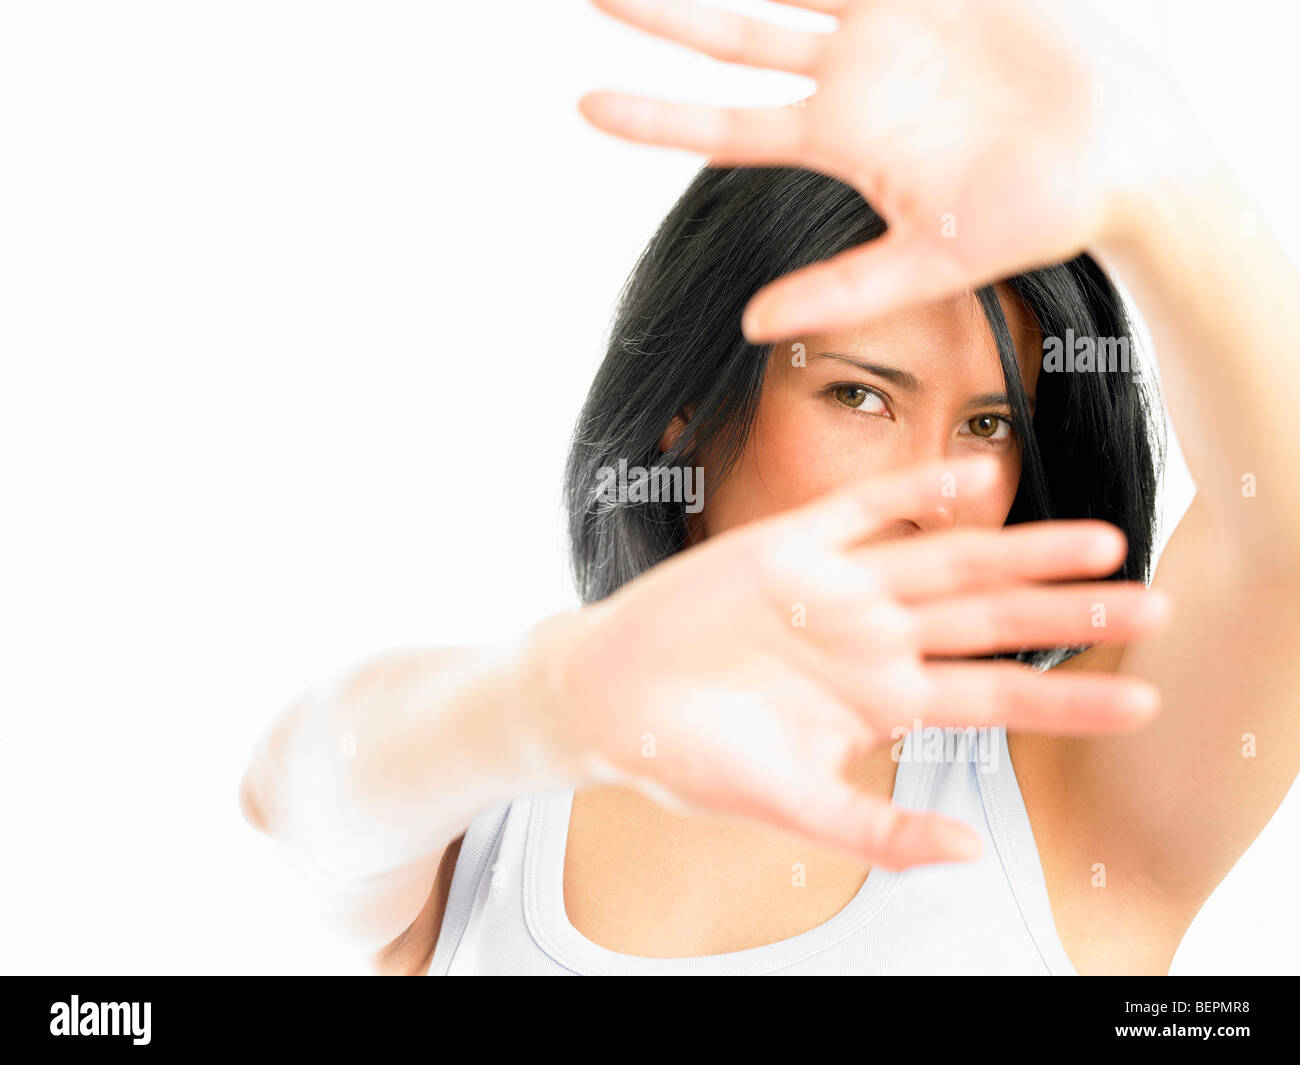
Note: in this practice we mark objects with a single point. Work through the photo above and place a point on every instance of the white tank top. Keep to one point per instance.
(505, 911)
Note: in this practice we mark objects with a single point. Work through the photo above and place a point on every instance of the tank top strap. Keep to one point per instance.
(1008, 822)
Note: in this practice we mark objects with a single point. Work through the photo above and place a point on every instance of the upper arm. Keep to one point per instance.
(1176, 803)
(411, 952)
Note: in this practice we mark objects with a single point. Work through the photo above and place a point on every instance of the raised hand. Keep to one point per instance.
(991, 135)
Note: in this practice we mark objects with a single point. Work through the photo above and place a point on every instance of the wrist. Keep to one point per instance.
(1163, 191)
(550, 685)
(1169, 242)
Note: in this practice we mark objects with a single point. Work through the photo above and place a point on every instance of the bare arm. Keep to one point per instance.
(366, 781)
(1181, 801)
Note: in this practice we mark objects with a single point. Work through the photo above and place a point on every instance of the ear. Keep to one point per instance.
(674, 430)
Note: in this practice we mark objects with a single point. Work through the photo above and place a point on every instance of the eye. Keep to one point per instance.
(858, 397)
(990, 427)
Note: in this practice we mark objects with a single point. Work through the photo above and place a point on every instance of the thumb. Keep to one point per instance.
(883, 275)
(864, 826)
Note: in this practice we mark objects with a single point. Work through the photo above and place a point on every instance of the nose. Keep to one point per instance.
(937, 518)
(929, 520)
(931, 446)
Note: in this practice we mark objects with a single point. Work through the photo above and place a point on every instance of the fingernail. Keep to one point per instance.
(1157, 607)
(981, 472)
(1140, 701)
(750, 324)
(1104, 549)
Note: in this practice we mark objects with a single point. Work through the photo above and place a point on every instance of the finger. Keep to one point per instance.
(829, 7)
(839, 815)
(720, 34)
(1035, 617)
(741, 136)
(967, 560)
(886, 274)
(847, 516)
(987, 694)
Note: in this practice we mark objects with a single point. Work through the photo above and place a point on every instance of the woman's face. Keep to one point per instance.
(919, 385)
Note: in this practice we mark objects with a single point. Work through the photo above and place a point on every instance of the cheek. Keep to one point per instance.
(793, 456)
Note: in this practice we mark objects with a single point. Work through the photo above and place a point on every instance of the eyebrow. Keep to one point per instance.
(911, 383)
(902, 378)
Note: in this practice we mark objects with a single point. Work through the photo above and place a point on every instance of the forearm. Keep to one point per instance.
(388, 765)
(1222, 300)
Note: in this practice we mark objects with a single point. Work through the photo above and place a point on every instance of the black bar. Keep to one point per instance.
(335, 1014)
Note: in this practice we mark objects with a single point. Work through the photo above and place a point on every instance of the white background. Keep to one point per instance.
(298, 305)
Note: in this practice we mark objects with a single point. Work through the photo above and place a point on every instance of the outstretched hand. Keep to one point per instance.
(764, 662)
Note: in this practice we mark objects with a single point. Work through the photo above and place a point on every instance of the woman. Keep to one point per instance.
(903, 473)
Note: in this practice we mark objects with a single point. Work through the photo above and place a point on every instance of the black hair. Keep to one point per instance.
(676, 346)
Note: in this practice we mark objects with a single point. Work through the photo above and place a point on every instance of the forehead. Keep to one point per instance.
(944, 336)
